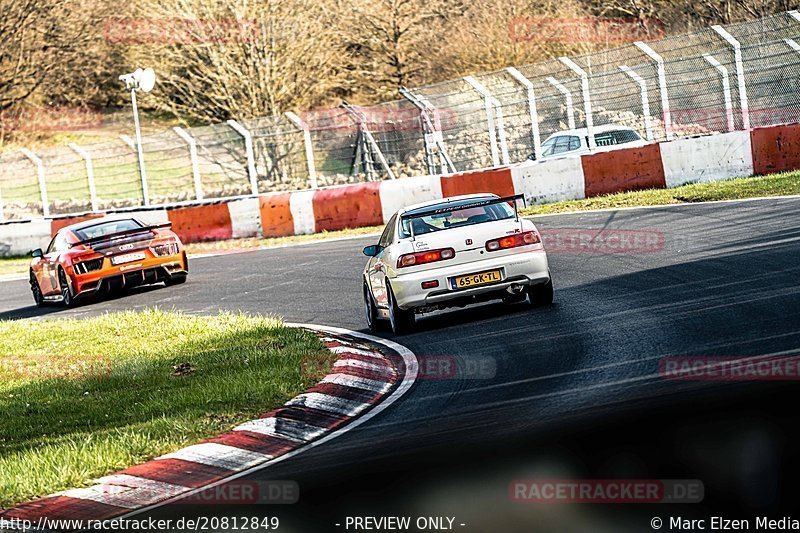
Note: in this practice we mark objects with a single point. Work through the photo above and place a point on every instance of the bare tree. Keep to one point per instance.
(233, 58)
(398, 42)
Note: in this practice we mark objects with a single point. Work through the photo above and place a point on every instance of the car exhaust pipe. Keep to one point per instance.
(515, 288)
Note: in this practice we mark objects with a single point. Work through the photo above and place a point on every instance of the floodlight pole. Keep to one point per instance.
(139, 150)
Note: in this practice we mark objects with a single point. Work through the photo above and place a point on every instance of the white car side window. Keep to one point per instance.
(547, 146)
(388, 233)
(561, 144)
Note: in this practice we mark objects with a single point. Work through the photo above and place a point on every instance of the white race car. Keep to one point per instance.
(451, 253)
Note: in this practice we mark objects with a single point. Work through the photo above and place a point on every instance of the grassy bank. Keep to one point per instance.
(84, 398)
(773, 185)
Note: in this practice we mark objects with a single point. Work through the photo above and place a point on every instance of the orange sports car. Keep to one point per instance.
(106, 254)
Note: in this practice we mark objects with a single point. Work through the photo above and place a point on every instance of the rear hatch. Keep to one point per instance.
(468, 241)
(112, 245)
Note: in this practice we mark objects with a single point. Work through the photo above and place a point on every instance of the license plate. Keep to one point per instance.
(127, 258)
(473, 280)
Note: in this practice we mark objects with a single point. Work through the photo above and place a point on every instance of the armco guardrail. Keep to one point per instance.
(715, 80)
(657, 165)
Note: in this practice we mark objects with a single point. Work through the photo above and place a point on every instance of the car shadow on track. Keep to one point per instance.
(56, 308)
(459, 317)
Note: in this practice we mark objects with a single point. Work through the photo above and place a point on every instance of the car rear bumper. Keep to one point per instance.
(518, 271)
(153, 271)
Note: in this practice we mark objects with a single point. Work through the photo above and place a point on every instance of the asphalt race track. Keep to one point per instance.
(572, 391)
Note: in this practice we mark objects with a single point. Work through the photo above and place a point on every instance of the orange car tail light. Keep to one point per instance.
(165, 247)
(512, 241)
(89, 265)
(430, 256)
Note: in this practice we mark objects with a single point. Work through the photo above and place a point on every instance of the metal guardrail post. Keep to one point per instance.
(497, 129)
(143, 179)
(248, 148)
(648, 123)
(528, 84)
(587, 104)
(361, 120)
(127, 140)
(445, 162)
(432, 134)
(300, 123)
(192, 144)
(737, 57)
(792, 44)
(428, 129)
(42, 185)
(726, 88)
(87, 159)
(568, 101)
(2, 215)
(662, 86)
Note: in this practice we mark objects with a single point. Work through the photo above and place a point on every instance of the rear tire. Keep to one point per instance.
(66, 293)
(541, 295)
(401, 321)
(38, 297)
(370, 311)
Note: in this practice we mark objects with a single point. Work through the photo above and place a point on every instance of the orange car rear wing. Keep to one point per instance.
(122, 234)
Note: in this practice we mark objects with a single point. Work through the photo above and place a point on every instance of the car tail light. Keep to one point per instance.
(430, 256)
(512, 241)
(165, 247)
(89, 265)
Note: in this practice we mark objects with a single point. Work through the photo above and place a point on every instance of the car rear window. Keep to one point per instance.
(456, 218)
(106, 228)
(610, 138)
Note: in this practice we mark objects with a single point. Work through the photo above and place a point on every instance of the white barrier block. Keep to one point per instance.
(301, 206)
(551, 180)
(24, 237)
(705, 159)
(245, 217)
(402, 192)
(155, 216)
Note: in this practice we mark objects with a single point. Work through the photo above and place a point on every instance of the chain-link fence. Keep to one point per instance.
(710, 81)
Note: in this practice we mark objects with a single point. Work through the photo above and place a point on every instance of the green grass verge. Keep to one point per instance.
(772, 185)
(84, 398)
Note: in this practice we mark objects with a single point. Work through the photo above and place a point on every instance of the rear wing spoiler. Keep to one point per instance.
(478, 203)
(121, 234)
